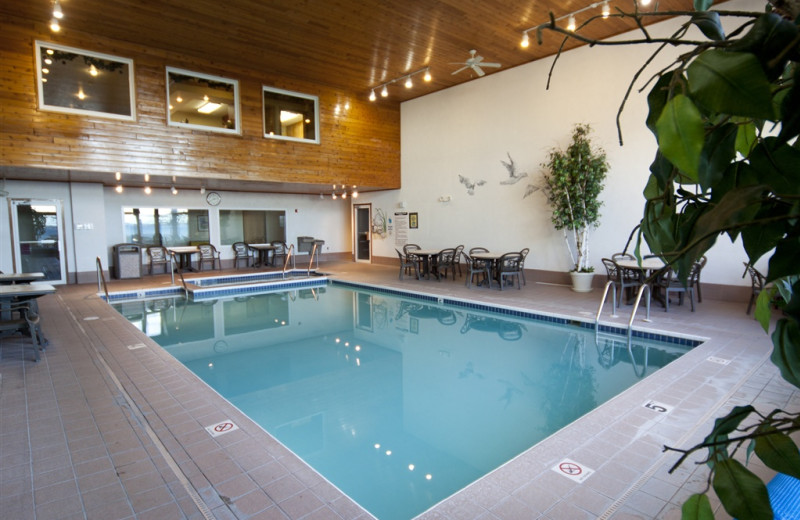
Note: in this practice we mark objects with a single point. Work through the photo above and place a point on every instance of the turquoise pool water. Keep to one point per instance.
(398, 401)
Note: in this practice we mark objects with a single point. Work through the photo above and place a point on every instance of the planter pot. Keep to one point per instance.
(581, 282)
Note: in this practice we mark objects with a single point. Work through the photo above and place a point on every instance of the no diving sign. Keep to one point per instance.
(573, 470)
(221, 427)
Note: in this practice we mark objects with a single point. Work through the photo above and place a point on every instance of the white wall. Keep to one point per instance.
(468, 130)
(93, 217)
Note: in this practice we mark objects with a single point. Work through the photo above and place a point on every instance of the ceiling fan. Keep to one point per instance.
(475, 62)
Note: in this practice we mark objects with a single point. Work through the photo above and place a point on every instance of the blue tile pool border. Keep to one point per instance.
(664, 338)
(320, 280)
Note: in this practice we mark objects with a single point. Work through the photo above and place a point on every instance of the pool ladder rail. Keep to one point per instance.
(644, 288)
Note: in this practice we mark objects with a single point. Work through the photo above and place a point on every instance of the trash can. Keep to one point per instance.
(127, 261)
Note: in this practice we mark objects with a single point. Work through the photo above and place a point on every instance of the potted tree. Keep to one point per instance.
(573, 181)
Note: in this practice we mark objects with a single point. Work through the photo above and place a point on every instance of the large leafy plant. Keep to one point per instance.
(726, 115)
(573, 181)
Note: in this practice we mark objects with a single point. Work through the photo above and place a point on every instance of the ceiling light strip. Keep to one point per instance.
(404, 80)
(570, 17)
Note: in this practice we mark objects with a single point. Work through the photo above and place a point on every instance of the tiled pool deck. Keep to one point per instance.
(109, 426)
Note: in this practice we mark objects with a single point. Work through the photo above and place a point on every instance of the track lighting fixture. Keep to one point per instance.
(406, 80)
(570, 17)
(57, 12)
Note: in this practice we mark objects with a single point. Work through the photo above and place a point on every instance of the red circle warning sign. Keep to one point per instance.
(570, 468)
(223, 427)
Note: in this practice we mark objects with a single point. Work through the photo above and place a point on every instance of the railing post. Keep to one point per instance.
(101, 277)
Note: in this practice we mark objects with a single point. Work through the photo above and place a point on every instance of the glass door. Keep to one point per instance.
(38, 230)
(363, 231)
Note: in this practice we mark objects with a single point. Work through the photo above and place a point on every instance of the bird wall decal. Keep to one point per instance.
(514, 176)
(530, 190)
(469, 184)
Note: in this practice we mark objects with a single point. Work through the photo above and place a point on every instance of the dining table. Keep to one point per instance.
(263, 254)
(648, 266)
(491, 258)
(18, 278)
(426, 255)
(185, 254)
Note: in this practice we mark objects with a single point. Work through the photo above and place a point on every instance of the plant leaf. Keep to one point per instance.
(742, 493)
(681, 135)
(785, 355)
(718, 152)
(703, 5)
(709, 24)
(778, 451)
(790, 111)
(657, 100)
(697, 507)
(731, 83)
(746, 138)
(777, 166)
(763, 312)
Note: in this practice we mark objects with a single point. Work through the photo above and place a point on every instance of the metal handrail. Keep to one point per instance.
(603, 302)
(644, 287)
(311, 261)
(101, 277)
(180, 273)
(289, 254)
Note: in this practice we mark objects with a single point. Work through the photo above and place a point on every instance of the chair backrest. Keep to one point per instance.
(621, 256)
(509, 262)
(478, 250)
(410, 247)
(612, 270)
(457, 256)
(446, 256)
(157, 253)
(241, 249)
(280, 246)
(207, 250)
(756, 278)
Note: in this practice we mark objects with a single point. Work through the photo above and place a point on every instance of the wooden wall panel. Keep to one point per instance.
(360, 147)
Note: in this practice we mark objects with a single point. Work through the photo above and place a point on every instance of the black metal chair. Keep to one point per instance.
(457, 260)
(158, 256)
(477, 268)
(624, 279)
(22, 318)
(757, 284)
(508, 267)
(208, 253)
(444, 263)
(668, 283)
(407, 262)
(241, 251)
(524, 254)
(280, 251)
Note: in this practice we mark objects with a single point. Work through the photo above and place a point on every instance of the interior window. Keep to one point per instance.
(253, 227)
(81, 82)
(291, 115)
(202, 101)
(165, 226)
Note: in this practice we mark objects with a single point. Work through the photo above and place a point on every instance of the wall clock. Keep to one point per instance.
(213, 198)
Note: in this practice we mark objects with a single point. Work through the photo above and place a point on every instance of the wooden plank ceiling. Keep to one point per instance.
(354, 45)
(350, 45)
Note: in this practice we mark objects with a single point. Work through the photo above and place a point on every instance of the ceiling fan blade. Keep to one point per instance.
(459, 70)
(488, 64)
(478, 70)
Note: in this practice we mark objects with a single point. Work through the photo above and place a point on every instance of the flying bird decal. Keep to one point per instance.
(513, 175)
(469, 184)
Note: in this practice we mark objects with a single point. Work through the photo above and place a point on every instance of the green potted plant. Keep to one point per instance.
(573, 180)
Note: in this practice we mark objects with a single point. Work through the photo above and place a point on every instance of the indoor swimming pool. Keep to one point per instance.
(398, 400)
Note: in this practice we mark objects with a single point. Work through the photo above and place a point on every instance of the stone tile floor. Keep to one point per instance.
(109, 426)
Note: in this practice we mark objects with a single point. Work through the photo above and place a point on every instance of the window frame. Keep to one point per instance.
(40, 47)
(266, 89)
(237, 127)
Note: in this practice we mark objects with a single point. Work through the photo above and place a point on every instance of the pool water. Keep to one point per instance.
(397, 401)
